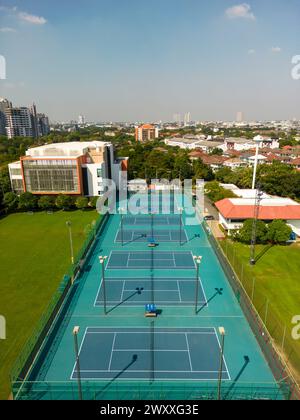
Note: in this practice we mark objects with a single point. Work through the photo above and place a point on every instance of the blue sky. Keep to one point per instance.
(149, 59)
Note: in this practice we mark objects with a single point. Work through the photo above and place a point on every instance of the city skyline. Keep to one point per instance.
(131, 61)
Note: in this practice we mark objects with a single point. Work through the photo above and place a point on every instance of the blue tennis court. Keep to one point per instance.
(158, 220)
(151, 260)
(140, 235)
(170, 354)
(138, 292)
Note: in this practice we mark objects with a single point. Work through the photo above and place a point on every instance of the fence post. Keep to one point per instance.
(283, 339)
(267, 310)
(253, 289)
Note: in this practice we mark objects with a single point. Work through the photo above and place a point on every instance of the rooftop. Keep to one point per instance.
(72, 149)
(272, 208)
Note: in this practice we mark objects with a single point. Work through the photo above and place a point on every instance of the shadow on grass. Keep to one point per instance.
(263, 252)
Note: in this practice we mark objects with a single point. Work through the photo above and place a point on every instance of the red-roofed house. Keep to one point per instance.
(296, 163)
(234, 211)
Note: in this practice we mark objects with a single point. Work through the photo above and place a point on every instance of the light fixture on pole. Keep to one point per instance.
(69, 225)
(121, 212)
(198, 260)
(77, 364)
(222, 334)
(257, 140)
(180, 210)
(102, 262)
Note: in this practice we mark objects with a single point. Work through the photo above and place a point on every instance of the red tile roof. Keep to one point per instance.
(229, 210)
(296, 162)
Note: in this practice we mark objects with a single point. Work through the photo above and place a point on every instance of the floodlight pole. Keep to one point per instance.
(69, 225)
(102, 262)
(152, 224)
(75, 335)
(222, 333)
(180, 209)
(198, 262)
(121, 210)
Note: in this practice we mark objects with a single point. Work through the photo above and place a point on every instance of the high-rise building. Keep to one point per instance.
(25, 122)
(4, 105)
(146, 132)
(75, 168)
(239, 117)
(81, 120)
(43, 125)
(19, 123)
(187, 119)
(177, 119)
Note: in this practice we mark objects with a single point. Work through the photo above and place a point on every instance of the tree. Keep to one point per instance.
(82, 203)
(279, 232)
(202, 171)
(216, 152)
(11, 201)
(27, 201)
(4, 183)
(93, 202)
(182, 166)
(216, 193)
(64, 202)
(46, 202)
(245, 233)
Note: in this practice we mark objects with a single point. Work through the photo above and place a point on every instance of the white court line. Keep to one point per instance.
(98, 300)
(150, 290)
(158, 371)
(179, 291)
(128, 259)
(167, 279)
(108, 261)
(112, 351)
(149, 351)
(225, 364)
(79, 351)
(168, 303)
(203, 291)
(188, 346)
(147, 333)
(123, 289)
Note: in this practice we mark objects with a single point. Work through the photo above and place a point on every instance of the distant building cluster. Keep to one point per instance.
(22, 121)
(207, 143)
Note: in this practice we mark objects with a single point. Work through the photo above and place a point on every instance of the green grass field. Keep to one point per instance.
(34, 256)
(277, 280)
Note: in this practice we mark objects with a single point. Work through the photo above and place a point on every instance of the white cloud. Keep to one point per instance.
(240, 11)
(7, 30)
(35, 20)
(251, 52)
(23, 16)
(276, 50)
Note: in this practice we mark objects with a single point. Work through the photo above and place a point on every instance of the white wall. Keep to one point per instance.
(93, 180)
(228, 225)
(295, 225)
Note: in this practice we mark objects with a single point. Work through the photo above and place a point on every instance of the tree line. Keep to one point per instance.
(30, 202)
